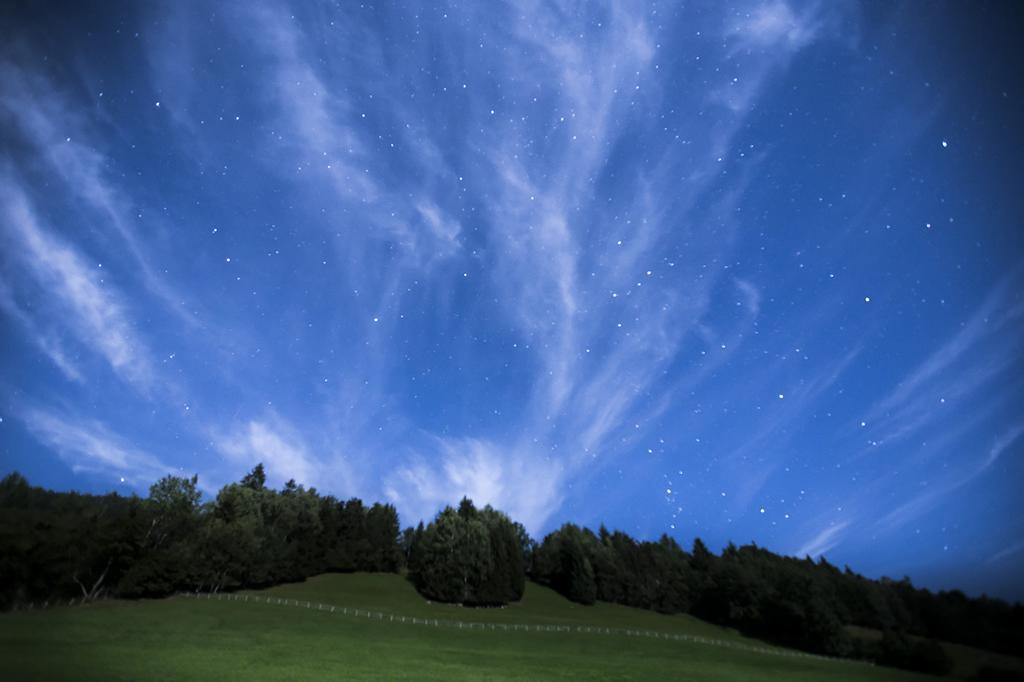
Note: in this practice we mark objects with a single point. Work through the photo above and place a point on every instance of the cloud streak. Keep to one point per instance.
(979, 352)
(278, 446)
(824, 541)
(94, 313)
(523, 485)
(90, 446)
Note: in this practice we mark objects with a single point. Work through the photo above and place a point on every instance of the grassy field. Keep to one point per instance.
(967, 661)
(196, 639)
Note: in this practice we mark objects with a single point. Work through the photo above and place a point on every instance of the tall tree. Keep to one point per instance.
(255, 479)
(468, 556)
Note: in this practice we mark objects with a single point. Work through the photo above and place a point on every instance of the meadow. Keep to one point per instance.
(189, 638)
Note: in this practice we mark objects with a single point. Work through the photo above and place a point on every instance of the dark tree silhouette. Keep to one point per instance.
(468, 556)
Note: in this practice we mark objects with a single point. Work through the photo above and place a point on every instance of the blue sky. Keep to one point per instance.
(747, 272)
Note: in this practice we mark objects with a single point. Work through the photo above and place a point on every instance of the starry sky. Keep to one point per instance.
(745, 271)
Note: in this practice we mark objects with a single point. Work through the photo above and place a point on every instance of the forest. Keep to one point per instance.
(63, 546)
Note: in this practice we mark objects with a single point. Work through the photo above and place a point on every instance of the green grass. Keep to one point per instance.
(197, 639)
(967, 660)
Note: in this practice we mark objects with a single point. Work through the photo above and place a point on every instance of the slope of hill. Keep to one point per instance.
(186, 638)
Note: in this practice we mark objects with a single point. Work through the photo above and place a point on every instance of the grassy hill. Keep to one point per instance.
(185, 638)
(967, 661)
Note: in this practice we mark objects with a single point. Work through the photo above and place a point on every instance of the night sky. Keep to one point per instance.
(747, 272)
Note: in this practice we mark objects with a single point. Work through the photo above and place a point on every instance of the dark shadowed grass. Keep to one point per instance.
(189, 639)
(967, 661)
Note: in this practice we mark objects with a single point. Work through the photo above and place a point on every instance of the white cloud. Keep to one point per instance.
(823, 541)
(751, 296)
(93, 311)
(444, 229)
(772, 431)
(1005, 552)
(554, 273)
(762, 40)
(975, 356)
(553, 250)
(46, 341)
(927, 500)
(1000, 446)
(524, 486)
(326, 137)
(311, 107)
(88, 445)
(59, 135)
(279, 447)
(774, 24)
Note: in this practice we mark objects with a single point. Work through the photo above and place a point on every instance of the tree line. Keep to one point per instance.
(798, 603)
(64, 545)
(57, 545)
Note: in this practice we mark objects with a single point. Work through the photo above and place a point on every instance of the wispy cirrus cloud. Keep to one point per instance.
(1006, 553)
(285, 452)
(42, 116)
(921, 444)
(74, 291)
(282, 451)
(315, 114)
(88, 445)
(774, 24)
(585, 276)
(974, 357)
(941, 491)
(45, 340)
(522, 484)
(823, 541)
(589, 290)
(774, 431)
(327, 140)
